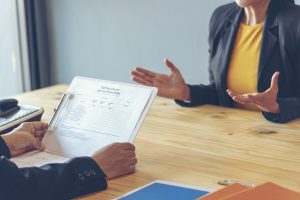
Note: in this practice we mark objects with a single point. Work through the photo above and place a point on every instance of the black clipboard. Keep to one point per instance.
(24, 113)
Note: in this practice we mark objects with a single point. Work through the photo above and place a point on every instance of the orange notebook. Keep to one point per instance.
(267, 191)
(224, 192)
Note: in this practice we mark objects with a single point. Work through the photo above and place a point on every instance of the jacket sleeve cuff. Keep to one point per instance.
(186, 103)
(4, 150)
(88, 177)
(199, 95)
(289, 110)
(183, 103)
(276, 118)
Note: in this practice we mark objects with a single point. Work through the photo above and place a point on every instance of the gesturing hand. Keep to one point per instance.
(28, 136)
(266, 101)
(116, 160)
(169, 86)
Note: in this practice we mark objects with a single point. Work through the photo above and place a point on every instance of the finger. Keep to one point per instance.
(238, 99)
(145, 71)
(40, 138)
(141, 81)
(130, 154)
(127, 146)
(251, 98)
(36, 144)
(241, 99)
(231, 93)
(40, 125)
(40, 133)
(235, 96)
(26, 126)
(131, 169)
(142, 76)
(132, 161)
(35, 125)
(171, 66)
(43, 147)
(274, 82)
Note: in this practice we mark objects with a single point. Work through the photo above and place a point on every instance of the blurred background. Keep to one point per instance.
(47, 42)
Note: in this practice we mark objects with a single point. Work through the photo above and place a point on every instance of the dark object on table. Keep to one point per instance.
(12, 114)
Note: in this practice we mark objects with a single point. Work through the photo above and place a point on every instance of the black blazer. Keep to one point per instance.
(54, 181)
(280, 51)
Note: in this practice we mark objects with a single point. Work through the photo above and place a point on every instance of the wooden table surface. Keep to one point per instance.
(196, 146)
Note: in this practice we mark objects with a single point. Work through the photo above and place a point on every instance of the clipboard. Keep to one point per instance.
(24, 113)
(123, 107)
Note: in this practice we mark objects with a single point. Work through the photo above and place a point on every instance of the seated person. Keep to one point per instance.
(67, 180)
(251, 42)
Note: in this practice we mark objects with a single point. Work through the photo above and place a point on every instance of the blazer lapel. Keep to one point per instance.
(270, 37)
(268, 42)
(228, 40)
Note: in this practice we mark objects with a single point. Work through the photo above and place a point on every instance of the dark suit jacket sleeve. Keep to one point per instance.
(290, 106)
(54, 181)
(200, 94)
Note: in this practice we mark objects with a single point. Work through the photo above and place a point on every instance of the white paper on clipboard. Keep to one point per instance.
(92, 114)
(96, 113)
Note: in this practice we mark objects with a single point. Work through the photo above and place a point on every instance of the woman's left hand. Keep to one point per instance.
(266, 101)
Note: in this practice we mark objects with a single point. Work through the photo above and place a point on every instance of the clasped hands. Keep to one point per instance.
(173, 86)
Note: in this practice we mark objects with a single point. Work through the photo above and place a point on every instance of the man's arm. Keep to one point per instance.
(54, 181)
(58, 181)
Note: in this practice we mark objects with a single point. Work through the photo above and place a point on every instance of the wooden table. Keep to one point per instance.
(196, 146)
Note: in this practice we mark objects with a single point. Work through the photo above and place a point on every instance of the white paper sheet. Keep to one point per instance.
(38, 159)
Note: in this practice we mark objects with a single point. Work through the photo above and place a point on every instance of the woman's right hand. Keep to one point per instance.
(170, 86)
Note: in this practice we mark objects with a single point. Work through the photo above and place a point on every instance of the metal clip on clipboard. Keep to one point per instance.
(62, 104)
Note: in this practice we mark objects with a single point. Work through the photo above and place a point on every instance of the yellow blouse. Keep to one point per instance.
(243, 68)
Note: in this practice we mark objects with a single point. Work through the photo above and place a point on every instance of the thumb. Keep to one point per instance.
(171, 66)
(274, 82)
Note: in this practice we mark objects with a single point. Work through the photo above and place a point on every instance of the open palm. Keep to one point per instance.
(266, 101)
(169, 86)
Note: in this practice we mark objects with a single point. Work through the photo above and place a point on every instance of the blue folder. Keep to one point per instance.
(164, 191)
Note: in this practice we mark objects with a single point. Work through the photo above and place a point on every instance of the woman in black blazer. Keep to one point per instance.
(278, 70)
